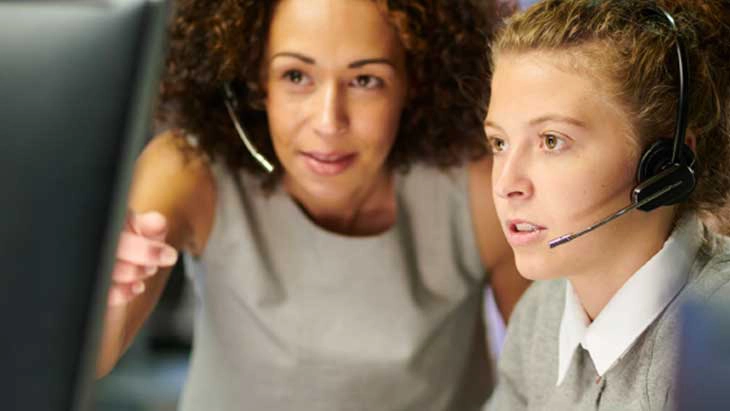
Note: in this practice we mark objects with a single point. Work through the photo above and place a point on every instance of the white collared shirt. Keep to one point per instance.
(634, 306)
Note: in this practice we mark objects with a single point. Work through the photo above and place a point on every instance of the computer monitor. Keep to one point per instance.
(703, 381)
(77, 87)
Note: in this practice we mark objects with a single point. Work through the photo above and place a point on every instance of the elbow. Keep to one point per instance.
(103, 369)
(105, 364)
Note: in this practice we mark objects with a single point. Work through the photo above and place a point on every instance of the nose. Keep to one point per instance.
(511, 177)
(331, 118)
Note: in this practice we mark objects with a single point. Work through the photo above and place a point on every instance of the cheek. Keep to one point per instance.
(376, 127)
(560, 184)
(282, 116)
(597, 187)
(614, 177)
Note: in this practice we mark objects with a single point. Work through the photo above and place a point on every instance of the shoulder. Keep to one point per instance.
(173, 177)
(172, 156)
(712, 279)
(532, 336)
(428, 180)
(709, 281)
(537, 314)
(719, 270)
(436, 206)
(457, 181)
(657, 356)
(535, 320)
(542, 298)
(431, 192)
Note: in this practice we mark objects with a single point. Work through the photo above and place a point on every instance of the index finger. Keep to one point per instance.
(143, 251)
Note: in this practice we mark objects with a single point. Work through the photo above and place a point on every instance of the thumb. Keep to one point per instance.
(152, 225)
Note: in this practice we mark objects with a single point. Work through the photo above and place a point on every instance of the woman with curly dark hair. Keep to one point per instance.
(340, 260)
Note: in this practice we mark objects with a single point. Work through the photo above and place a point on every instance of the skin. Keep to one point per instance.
(341, 96)
(332, 88)
(565, 157)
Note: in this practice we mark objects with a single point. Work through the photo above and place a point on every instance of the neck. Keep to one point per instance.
(596, 286)
(366, 210)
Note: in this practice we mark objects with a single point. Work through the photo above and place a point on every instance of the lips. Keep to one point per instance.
(522, 232)
(328, 163)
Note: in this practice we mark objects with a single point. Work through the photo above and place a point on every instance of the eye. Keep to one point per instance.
(296, 77)
(367, 82)
(552, 142)
(496, 144)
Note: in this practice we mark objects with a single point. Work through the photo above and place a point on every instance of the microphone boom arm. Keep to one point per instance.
(570, 237)
(231, 103)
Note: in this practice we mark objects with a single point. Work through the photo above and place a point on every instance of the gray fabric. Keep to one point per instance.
(292, 317)
(640, 380)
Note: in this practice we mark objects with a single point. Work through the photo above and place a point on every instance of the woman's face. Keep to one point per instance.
(564, 158)
(335, 78)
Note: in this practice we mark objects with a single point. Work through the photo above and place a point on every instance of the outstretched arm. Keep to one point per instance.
(171, 208)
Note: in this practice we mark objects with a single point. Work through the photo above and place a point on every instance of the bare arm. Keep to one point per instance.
(497, 257)
(178, 185)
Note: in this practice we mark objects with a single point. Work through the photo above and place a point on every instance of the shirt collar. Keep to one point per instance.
(633, 308)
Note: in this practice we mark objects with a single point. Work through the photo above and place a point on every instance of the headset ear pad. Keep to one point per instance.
(659, 156)
(656, 172)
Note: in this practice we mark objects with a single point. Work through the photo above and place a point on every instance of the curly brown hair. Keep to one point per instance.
(446, 43)
(634, 49)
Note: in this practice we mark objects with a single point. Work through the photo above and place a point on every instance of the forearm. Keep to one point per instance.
(169, 181)
(112, 340)
(123, 322)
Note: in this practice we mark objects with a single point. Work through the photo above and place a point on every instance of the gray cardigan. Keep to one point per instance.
(642, 378)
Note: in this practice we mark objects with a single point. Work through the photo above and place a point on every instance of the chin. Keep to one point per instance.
(537, 267)
(326, 189)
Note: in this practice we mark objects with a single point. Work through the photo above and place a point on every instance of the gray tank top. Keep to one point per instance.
(293, 317)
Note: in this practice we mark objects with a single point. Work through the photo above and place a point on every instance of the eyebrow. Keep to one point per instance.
(298, 56)
(558, 118)
(354, 64)
(364, 62)
(492, 124)
(544, 119)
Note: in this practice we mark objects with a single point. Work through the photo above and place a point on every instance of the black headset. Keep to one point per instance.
(667, 165)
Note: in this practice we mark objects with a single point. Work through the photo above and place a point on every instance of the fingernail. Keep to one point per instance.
(168, 256)
(150, 269)
(138, 288)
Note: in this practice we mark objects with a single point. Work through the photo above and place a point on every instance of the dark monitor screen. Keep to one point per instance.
(77, 87)
(704, 366)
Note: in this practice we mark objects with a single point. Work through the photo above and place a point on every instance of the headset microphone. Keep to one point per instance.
(231, 105)
(570, 237)
(665, 174)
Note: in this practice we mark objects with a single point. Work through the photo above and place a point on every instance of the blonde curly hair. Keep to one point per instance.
(633, 52)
